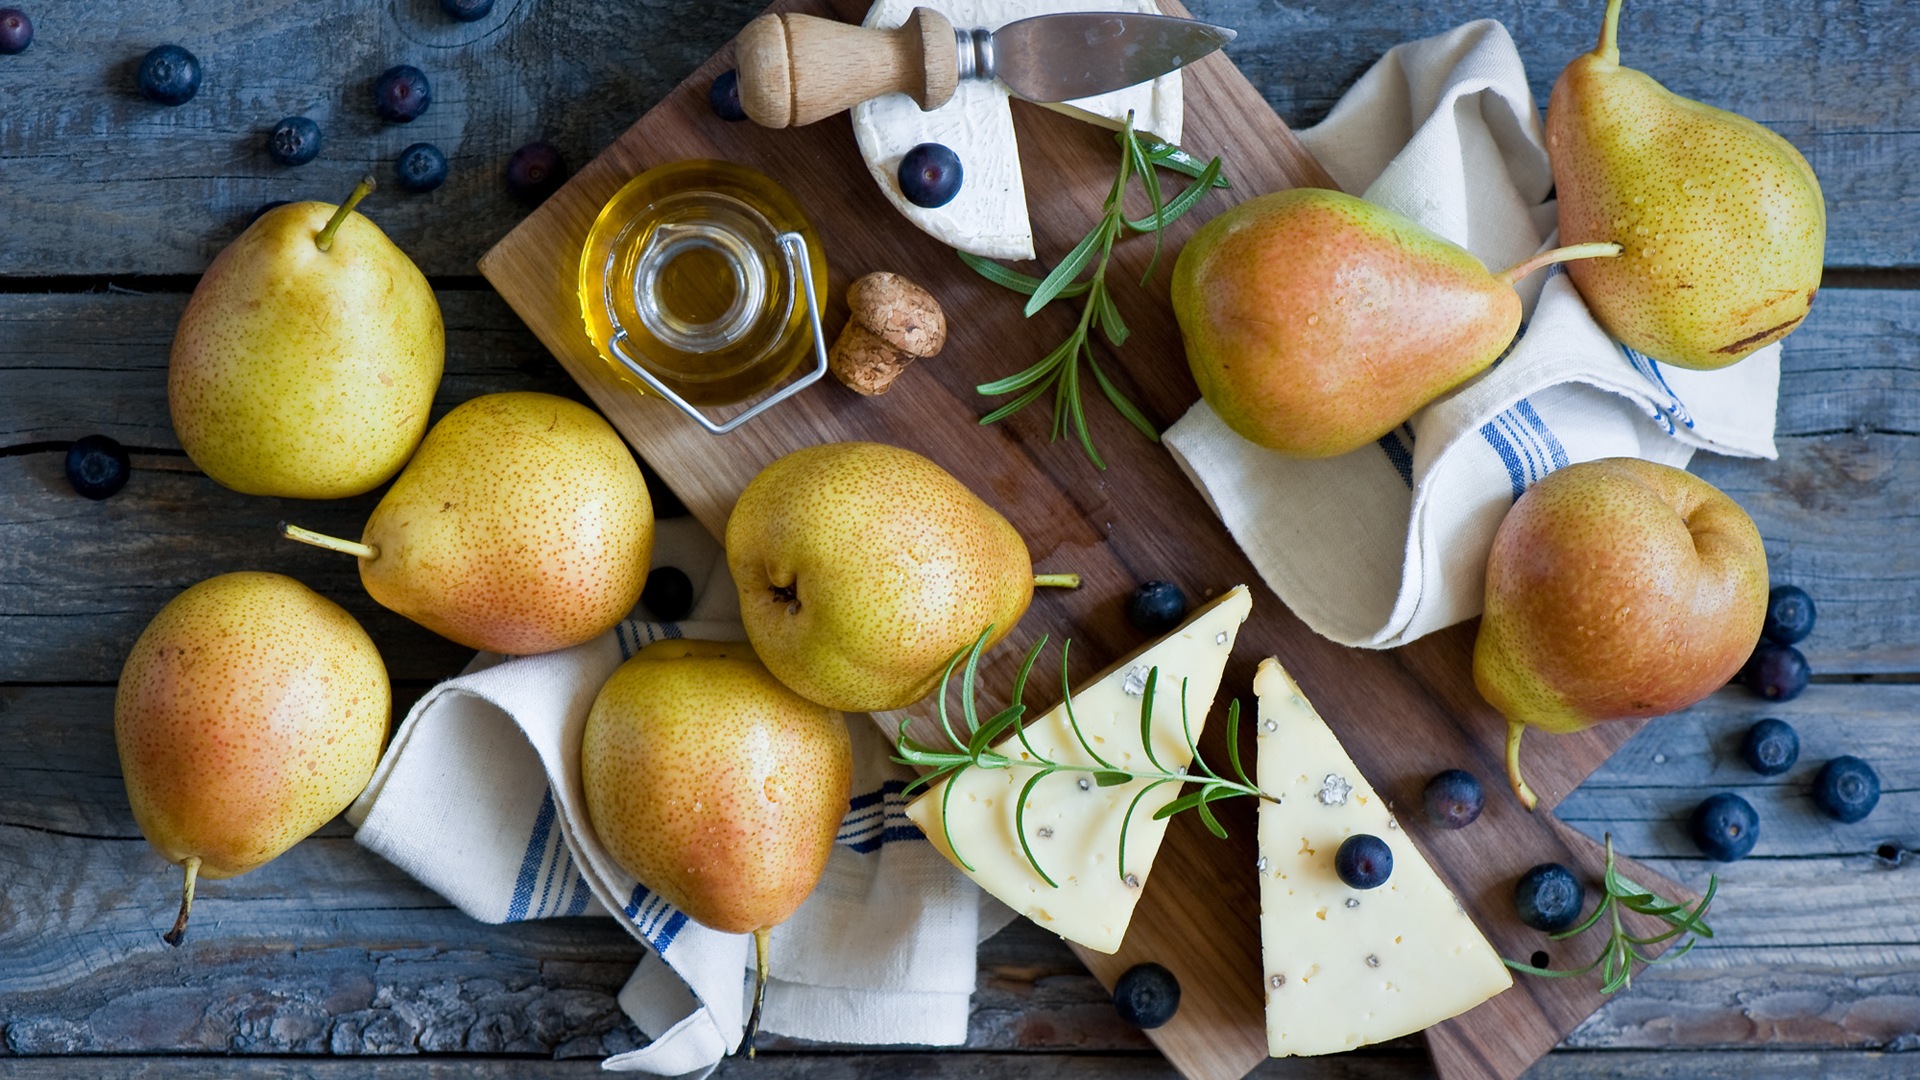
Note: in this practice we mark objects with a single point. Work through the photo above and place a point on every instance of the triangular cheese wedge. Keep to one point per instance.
(988, 216)
(1074, 827)
(1345, 967)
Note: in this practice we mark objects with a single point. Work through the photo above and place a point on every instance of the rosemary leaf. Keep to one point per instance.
(1121, 404)
(1020, 824)
(1064, 274)
(1617, 955)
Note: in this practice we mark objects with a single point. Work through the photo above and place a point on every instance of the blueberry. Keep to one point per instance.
(467, 10)
(535, 171)
(930, 175)
(401, 93)
(295, 141)
(1725, 827)
(170, 75)
(1789, 615)
(16, 31)
(1363, 862)
(1771, 747)
(1156, 607)
(1548, 897)
(1776, 672)
(724, 97)
(1847, 789)
(1147, 995)
(421, 167)
(1454, 799)
(97, 466)
(668, 594)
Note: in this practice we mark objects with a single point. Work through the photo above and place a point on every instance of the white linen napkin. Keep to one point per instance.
(1385, 544)
(479, 797)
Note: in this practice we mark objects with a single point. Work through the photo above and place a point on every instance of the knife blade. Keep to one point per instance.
(1049, 58)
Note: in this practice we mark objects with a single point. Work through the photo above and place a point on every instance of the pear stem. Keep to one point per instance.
(1609, 47)
(361, 190)
(178, 934)
(1056, 581)
(331, 543)
(1515, 729)
(760, 938)
(1599, 249)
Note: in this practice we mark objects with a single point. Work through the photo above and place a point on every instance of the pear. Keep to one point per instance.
(716, 786)
(521, 526)
(306, 361)
(863, 568)
(1316, 322)
(250, 712)
(1722, 220)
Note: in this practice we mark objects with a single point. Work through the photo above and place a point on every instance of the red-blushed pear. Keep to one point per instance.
(1616, 589)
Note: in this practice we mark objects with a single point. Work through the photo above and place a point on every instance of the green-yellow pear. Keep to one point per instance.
(1722, 220)
(1316, 322)
(1616, 589)
(863, 568)
(522, 526)
(306, 361)
(250, 712)
(716, 786)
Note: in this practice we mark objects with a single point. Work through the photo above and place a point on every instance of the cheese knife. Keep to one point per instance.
(796, 69)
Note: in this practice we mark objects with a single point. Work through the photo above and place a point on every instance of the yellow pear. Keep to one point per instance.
(306, 361)
(522, 526)
(1722, 220)
(863, 568)
(250, 712)
(716, 786)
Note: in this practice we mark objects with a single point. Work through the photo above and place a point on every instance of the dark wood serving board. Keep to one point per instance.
(1403, 715)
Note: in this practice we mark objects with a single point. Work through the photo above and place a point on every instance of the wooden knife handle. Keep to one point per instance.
(795, 69)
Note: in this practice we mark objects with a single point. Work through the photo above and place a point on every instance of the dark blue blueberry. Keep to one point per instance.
(170, 75)
(1156, 607)
(1847, 789)
(467, 10)
(97, 466)
(1548, 897)
(401, 93)
(535, 171)
(1454, 799)
(1776, 672)
(421, 167)
(16, 31)
(294, 141)
(1147, 995)
(1789, 615)
(1363, 861)
(724, 97)
(1725, 827)
(1771, 747)
(668, 594)
(930, 175)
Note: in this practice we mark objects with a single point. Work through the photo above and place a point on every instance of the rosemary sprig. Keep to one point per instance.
(1059, 370)
(1616, 958)
(975, 751)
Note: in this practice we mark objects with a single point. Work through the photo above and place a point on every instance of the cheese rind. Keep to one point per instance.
(1073, 824)
(1345, 967)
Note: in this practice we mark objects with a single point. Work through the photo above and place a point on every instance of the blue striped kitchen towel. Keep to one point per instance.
(1385, 544)
(478, 796)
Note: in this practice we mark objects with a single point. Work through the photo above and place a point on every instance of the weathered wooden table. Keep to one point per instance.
(330, 963)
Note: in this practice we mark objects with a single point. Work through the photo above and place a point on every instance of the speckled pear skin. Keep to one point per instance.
(251, 711)
(305, 373)
(863, 568)
(1722, 221)
(521, 526)
(1315, 322)
(1617, 588)
(713, 784)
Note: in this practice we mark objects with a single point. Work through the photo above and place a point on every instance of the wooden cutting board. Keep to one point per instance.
(1404, 715)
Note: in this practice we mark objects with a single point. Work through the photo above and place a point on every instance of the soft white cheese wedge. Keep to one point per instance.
(989, 214)
(1073, 824)
(1345, 967)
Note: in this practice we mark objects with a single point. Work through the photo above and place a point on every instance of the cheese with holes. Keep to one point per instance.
(1071, 823)
(988, 216)
(1345, 967)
